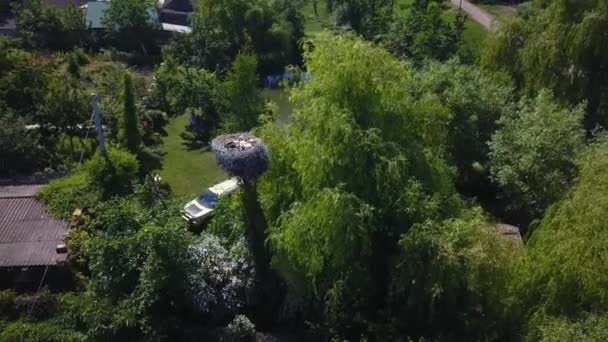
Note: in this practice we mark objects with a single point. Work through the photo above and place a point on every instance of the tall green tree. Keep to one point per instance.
(366, 17)
(563, 273)
(130, 134)
(423, 33)
(23, 87)
(476, 100)
(221, 29)
(65, 106)
(559, 45)
(241, 95)
(41, 26)
(20, 152)
(533, 154)
(367, 160)
(461, 263)
(132, 25)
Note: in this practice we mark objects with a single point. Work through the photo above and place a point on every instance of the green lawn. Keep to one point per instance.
(474, 33)
(497, 10)
(188, 171)
(315, 24)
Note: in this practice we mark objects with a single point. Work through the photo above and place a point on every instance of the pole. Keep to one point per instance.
(98, 126)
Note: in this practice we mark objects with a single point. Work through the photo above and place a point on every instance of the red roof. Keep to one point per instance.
(29, 235)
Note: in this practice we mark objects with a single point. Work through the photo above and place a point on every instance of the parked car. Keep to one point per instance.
(200, 209)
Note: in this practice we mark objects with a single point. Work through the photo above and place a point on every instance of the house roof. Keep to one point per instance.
(7, 23)
(175, 17)
(180, 5)
(29, 235)
(95, 10)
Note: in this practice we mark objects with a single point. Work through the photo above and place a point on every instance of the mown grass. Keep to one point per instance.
(188, 171)
(497, 10)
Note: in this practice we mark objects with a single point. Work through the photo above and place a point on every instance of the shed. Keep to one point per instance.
(29, 235)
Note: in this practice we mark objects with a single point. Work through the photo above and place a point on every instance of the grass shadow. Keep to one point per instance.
(192, 140)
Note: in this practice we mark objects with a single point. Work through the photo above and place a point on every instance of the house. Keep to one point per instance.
(31, 240)
(7, 25)
(94, 14)
(177, 12)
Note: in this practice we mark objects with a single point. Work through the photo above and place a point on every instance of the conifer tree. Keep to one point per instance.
(130, 135)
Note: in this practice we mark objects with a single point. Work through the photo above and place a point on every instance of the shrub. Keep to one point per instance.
(71, 148)
(227, 222)
(586, 328)
(61, 196)
(219, 281)
(14, 306)
(48, 331)
(76, 241)
(99, 179)
(533, 154)
(242, 327)
(113, 177)
(7, 298)
(19, 149)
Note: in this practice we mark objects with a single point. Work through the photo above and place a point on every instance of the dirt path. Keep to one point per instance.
(476, 13)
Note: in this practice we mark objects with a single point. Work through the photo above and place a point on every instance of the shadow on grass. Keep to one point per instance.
(193, 140)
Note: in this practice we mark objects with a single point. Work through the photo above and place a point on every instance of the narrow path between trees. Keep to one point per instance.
(476, 13)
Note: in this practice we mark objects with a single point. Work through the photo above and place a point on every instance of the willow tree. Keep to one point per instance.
(565, 271)
(560, 45)
(361, 162)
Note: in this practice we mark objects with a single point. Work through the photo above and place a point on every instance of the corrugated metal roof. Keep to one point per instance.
(18, 190)
(22, 254)
(28, 233)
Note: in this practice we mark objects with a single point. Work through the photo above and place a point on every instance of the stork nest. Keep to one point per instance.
(241, 154)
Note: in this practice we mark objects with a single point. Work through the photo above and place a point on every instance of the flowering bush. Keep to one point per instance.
(242, 327)
(220, 280)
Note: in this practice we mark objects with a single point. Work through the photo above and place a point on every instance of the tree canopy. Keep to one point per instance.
(566, 254)
(559, 45)
(369, 160)
(533, 154)
(221, 29)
